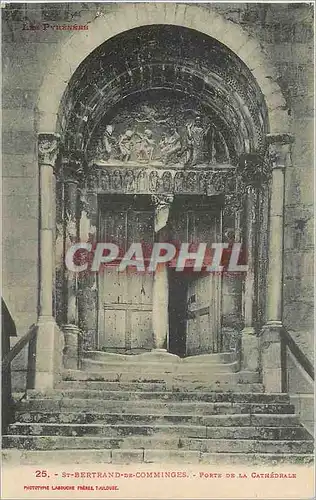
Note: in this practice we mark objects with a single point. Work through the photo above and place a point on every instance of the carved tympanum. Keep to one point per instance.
(161, 133)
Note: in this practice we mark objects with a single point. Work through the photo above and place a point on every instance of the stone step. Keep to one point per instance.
(160, 357)
(190, 379)
(158, 368)
(75, 377)
(164, 396)
(264, 420)
(111, 386)
(151, 406)
(159, 442)
(119, 456)
(193, 431)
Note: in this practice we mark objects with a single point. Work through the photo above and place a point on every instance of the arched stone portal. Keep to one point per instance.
(128, 16)
(206, 88)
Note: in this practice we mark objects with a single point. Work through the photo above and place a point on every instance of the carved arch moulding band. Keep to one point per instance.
(128, 16)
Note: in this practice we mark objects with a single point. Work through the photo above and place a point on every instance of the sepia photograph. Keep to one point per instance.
(157, 250)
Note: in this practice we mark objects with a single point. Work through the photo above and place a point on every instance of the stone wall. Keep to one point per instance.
(285, 32)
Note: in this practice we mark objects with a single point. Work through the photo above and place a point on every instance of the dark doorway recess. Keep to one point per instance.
(177, 311)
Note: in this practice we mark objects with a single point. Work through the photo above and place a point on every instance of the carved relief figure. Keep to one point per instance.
(170, 146)
(108, 140)
(146, 146)
(196, 142)
(164, 131)
(125, 144)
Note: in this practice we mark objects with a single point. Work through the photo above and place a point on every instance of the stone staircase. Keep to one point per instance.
(157, 408)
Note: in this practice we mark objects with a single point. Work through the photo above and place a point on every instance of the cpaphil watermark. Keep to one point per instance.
(218, 257)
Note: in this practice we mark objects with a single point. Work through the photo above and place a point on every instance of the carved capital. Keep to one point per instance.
(279, 149)
(280, 155)
(279, 139)
(72, 171)
(73, 166)
(248, 160)
(162, 204)
(48, 149)
(162, 200)
(253, 169)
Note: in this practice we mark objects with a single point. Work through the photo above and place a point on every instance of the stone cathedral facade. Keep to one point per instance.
(160, 122)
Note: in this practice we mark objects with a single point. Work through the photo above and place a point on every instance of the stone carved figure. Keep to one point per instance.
(168, 132)
(153, 181)
(104, 181)
(146, 146)
(116, 181)
(178, 182)
(108, 141)
(196, 142)
(167, 182)
(125, 144)
(170, 146)
(142, 181)
(128, 181)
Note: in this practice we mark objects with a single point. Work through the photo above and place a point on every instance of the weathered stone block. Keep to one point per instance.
(17, 119)
(19, 166)
(71, 351)
(16, 206)
(172, 456)
(295, 289)
(18, 98)
(298, 264)
(15, 187)
(298, 188)
(127, 456)
(250, 351)
(272, 379)
(18, 142)
(299, 315)
(19, 272)
(24, 299)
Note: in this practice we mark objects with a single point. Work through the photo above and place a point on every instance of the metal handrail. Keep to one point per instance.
(9, 357)
(288, 341)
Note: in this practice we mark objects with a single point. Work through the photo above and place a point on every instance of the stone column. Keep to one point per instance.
(70, 329)
(160, 318)
(48, 338)
(70, 221)
(250, 345)
(230, 305)
(280, 157)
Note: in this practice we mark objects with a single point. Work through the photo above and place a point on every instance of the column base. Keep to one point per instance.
(71, 350)
(49, 346)
(249, 349)
(272, 356)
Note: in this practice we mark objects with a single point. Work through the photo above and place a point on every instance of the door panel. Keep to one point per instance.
(199, 221)
(113, 334)
(204, 305)
(141, 329)
(125, 298)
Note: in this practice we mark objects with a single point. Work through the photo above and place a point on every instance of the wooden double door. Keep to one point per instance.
(125, 298)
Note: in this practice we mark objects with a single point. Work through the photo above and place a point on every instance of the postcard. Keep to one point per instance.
(158, 231)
